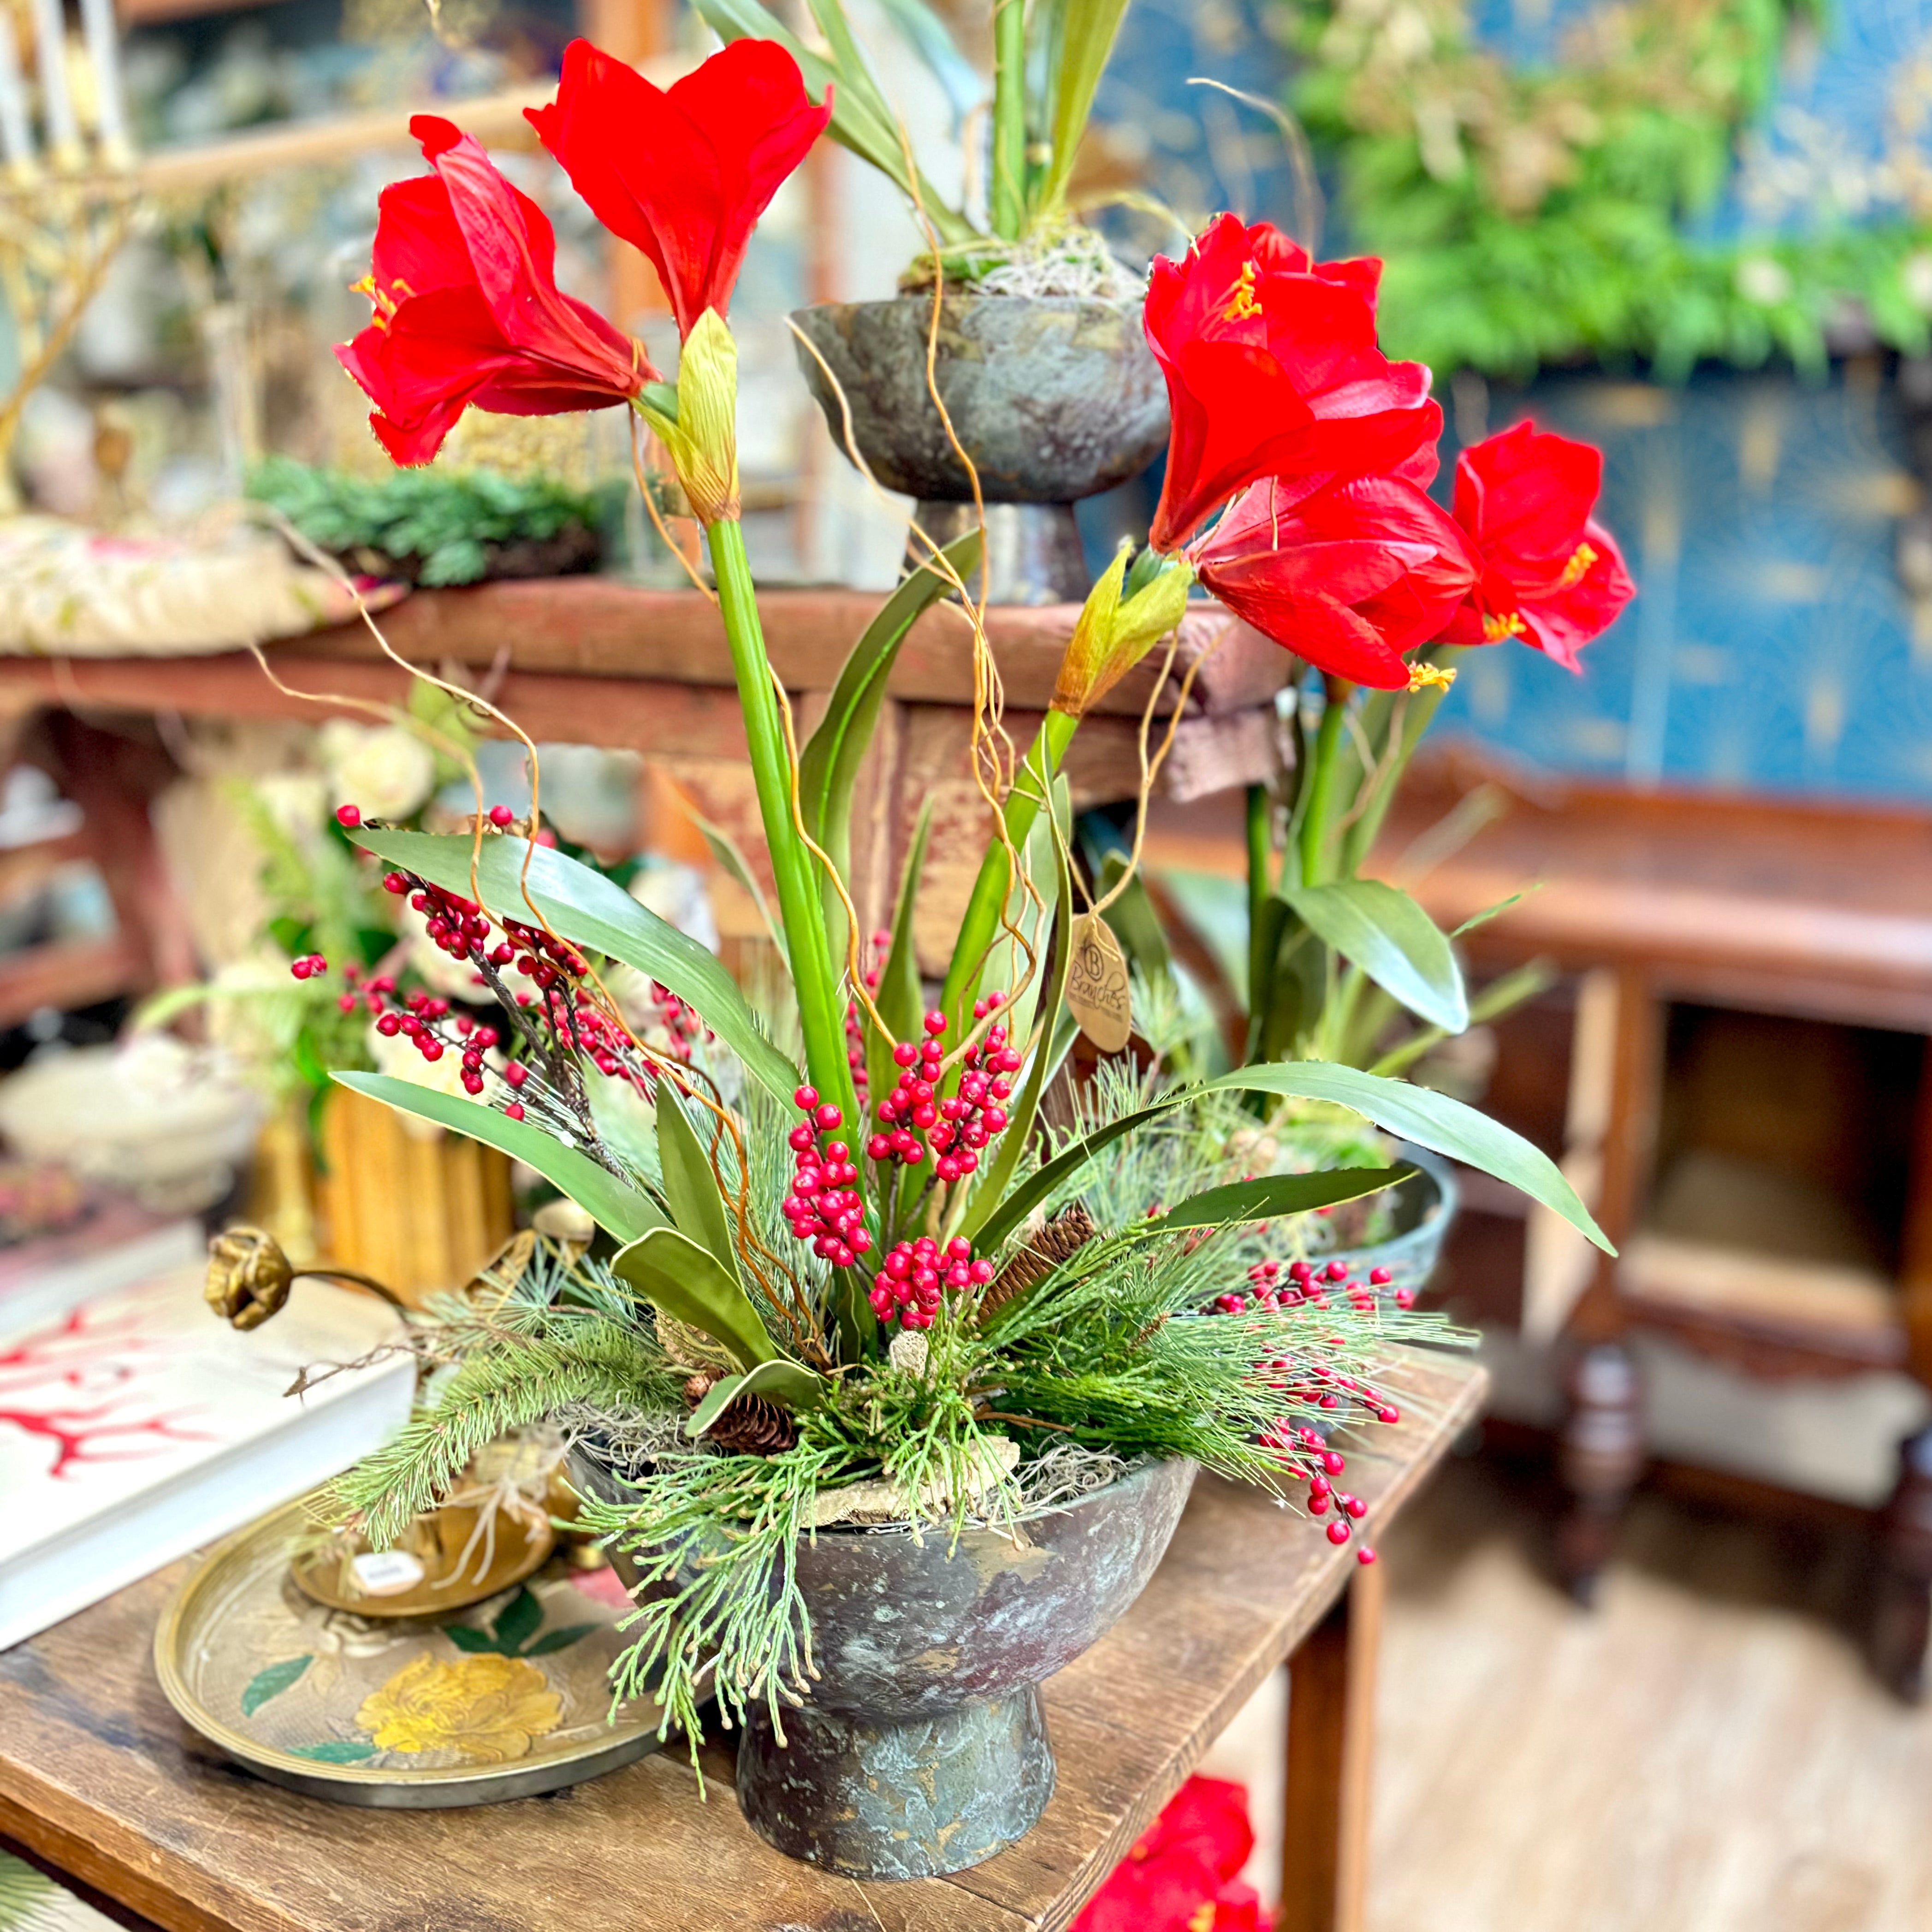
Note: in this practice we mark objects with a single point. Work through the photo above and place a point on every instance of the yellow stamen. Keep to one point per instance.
(1243, 301)
(1495, 629)
(1578, 568)
(1430, 677)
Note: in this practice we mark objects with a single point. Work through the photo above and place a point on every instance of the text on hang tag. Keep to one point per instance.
(1098, 992)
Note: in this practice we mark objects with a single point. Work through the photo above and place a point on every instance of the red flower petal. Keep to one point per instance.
(1272, 369)
(1551, 575)
(683, 173)
(1348, 575)
(462, 276)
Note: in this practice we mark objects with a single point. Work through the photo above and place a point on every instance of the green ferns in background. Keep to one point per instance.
(444, 525)
(1532, 216)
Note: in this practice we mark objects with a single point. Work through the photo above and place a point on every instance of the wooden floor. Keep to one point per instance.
(1704, 1753)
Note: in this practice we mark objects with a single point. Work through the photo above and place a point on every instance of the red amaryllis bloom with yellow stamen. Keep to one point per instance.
(1551, 574)
(683, 172)
(1272, 370)
(1348, 575)
(464, 279)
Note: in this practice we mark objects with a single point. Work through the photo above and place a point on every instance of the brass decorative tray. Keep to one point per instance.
(504, 1700)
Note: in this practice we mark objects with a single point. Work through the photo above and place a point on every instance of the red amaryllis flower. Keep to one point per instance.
(464, 279)
(1181, 1875)
(1272, 370)
(1551, 574)
(1348, 575)
(683, 172)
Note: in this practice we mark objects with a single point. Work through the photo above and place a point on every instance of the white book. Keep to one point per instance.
(140, 1425)
(117, 1245)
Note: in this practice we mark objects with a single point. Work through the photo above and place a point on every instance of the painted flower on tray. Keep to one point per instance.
(467, 311)
(683, 172)
(1348, 575)
(491, 1709)
(1551, 574)
(1272, 369)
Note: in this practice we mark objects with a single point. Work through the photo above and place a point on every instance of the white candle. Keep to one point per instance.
(103, 52)
(16, 134)
(56, 103)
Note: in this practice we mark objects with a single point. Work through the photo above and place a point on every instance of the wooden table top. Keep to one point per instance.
(98, 1776)
(1812, 906)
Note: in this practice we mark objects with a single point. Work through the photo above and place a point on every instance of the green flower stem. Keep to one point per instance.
(1416, 719)
(981, 925)
(1319, 802)
(1261, 814)
(1008, 192)
(813, 974)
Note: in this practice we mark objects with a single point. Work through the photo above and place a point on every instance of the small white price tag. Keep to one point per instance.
(386, 1572)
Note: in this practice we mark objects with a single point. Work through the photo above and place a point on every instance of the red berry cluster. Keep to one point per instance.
(1309, 1286)
(915, 1274)
(1307, 1456)
(958, 1126)
(823, 1206)
(419, 1018)
(310, 966)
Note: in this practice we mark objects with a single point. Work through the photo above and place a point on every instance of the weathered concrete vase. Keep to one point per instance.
(1054, 397)
(922, 1749)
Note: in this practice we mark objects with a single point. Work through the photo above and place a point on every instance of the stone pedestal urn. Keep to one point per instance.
(1054, 397)
(922, 1748)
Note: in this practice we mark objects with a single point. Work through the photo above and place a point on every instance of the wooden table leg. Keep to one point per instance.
(1331, 1718)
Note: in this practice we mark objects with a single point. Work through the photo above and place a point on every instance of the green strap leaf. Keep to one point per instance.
(782, 1381)
(1053, 1037)
(672, 1272)
(898, 997)
(1272, 1194)
(590, 911)
(692, 1191)
(1385, 933)
(1416, 1114)
(1430, 1119)
(620, 1209)
(828, 766)
(1082, 34)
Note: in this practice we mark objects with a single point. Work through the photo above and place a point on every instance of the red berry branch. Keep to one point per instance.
(559, 1024)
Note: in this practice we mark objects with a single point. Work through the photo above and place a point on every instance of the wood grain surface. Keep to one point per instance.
(98, 1775)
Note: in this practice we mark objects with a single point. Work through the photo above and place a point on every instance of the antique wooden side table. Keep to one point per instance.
(100, 1780)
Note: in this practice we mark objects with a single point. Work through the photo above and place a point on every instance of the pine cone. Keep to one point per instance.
(1069, 1231)
(748, 1424)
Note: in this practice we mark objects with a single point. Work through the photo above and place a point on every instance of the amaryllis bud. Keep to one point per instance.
(698, 424)
(1118, 627)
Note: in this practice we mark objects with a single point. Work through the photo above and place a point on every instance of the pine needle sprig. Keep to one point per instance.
(507, 1383)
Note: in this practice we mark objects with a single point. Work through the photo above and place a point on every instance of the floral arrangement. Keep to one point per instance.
(879, 1256)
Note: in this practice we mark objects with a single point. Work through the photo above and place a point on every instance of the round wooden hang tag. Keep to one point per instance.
(1098, 993)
